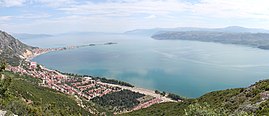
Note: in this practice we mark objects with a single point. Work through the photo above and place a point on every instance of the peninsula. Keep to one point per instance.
(257, 40)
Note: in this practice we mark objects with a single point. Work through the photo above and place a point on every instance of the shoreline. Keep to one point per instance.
(158, 98)
(39, 51)
(135, 89)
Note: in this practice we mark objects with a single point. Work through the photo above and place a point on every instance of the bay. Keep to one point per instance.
(187, 68)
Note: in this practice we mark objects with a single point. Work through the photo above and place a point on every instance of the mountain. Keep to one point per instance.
(12, 49)
(30, 36)
(86, 33)
(258, 40)
(148, 32)
(253, 100)
(238, 29)
(231, 29)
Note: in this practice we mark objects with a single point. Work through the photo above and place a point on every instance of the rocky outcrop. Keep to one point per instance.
(12, 50)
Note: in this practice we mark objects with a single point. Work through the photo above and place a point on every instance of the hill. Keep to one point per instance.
(23, 96)
(258, 40)
(30, 36)
(12, 49)
(230, 29)
(252, 100)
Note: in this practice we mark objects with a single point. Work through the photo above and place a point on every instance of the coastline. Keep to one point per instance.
(134, 89)
(39, 51)
(158, 98)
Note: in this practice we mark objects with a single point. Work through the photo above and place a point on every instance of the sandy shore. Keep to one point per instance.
(39, 51)
(144, 91)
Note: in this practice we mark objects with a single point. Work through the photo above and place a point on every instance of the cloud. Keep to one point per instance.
(151, 17)
(11, 3)
(205, 8)
(32, 16)
(232, 8)
(5, 18)
(55, 3)
(126, 8)
(122, 15)
(50, 3)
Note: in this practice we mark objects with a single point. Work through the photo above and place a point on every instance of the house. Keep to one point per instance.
(33, 65)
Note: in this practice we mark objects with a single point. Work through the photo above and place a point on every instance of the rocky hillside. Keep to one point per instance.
(22, 95)
(253, 100)
(12, 49)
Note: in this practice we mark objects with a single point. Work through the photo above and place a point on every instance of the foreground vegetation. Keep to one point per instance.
(253, 100)
(119, 101)
(23, 96)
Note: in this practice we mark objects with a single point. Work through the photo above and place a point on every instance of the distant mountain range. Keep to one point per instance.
(12, 49)
(257, 40)
(230, 29)
(23, 36)
(253, 37)
(30, 36)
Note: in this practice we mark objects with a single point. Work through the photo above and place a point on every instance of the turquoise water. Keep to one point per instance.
(188, 68)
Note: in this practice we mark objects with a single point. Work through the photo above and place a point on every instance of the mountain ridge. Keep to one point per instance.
(232, 29)
(30, 36)
(256, 40)
(12, 49)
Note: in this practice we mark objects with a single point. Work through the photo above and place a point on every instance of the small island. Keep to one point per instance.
(110, 43)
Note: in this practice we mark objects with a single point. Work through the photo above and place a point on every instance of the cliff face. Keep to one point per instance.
(12, 50)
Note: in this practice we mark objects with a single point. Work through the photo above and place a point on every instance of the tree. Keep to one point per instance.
(157, 92)
(163, 93)
(204, 109)
(174, 96)
(3, 65)
(4, 85)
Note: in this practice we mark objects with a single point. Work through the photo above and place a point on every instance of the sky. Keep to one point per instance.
(62, 16)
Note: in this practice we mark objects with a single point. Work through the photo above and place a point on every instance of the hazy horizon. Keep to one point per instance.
(62, 16)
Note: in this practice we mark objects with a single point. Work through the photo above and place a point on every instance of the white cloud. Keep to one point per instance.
(55, 3)
(232, 8)
(32, 16)
(126, 8)
(122, 15)
(151, 17)
(204, 8)
(50, 3)
(5, 18)
(11, 3)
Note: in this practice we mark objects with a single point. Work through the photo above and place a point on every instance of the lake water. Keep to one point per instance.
(188, 68)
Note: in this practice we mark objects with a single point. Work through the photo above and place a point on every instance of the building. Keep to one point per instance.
(33, 65)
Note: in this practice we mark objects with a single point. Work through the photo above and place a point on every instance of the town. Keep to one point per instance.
(86, 87)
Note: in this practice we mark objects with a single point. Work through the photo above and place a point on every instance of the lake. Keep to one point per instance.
(187, 68)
